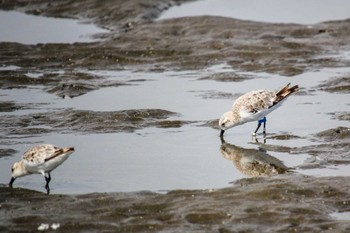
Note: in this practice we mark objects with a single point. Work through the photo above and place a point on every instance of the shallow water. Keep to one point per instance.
(274, 11)
(161, 159)
(29, 29)
(345, 216)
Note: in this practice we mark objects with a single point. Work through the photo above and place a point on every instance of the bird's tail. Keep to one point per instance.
(60, 151)
(285, 92)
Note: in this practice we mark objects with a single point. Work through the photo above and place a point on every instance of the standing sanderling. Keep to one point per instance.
(254, 106)
(41, 159)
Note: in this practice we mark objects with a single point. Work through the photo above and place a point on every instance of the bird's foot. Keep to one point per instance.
(256, 134)
(47, 187)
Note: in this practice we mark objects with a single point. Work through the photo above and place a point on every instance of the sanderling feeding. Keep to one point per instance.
(41, 159)
(254, 106)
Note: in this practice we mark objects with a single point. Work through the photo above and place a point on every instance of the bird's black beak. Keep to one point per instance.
(222, 136)
(11, 181)
(222, 133)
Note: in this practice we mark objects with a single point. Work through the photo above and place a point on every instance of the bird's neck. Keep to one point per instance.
(235, 117)
(23, 170)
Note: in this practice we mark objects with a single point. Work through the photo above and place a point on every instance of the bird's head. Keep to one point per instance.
(18, 169)
(226, 122)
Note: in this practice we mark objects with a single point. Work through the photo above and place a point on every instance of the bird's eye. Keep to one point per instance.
(223, 125)
(12, 169)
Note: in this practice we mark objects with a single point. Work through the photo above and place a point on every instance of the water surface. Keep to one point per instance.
(273, 11)
(188, 157)
(29, 29)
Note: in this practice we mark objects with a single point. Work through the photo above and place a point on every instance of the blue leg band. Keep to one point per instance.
(263, 120)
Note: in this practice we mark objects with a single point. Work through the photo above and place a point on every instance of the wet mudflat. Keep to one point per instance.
(288, 203)
(141, 108)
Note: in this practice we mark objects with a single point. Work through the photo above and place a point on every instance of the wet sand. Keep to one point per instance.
(285, 203)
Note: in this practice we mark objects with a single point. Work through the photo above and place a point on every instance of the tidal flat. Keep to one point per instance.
(140, 104)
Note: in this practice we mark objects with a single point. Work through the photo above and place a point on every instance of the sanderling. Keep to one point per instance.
(41, 159)
(254, 106)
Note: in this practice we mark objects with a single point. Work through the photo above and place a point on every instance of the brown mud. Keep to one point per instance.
(250, 205)
(285, 203)
(70, 120)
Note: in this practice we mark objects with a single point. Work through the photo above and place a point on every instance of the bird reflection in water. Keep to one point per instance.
(253, 162)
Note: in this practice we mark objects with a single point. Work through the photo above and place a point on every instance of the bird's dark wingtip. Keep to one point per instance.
(68, 149)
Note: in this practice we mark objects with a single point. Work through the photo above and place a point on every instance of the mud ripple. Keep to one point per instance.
(4, 152)
(10, 106)
(227, 77)
(342, 116)
(212, 94)
(336, 85)
(73, 84)
(63, 84)
(19, 79)
(333, 150)
(334, 134)
(211, 123)
(70, 120)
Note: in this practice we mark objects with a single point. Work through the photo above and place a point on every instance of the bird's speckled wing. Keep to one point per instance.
(39, 155)
(254, 104)
(256, 101)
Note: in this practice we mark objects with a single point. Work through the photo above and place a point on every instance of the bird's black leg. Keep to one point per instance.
(264, 132)
(263, 120)
(257, 128)
(48, 179)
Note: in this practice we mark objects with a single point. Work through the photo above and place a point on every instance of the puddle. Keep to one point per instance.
(274, 11)
(161, 158)
(29, 29)
(341, 216)
(5, 68)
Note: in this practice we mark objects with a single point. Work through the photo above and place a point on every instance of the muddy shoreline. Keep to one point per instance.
(250, 205)
(284, 203)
